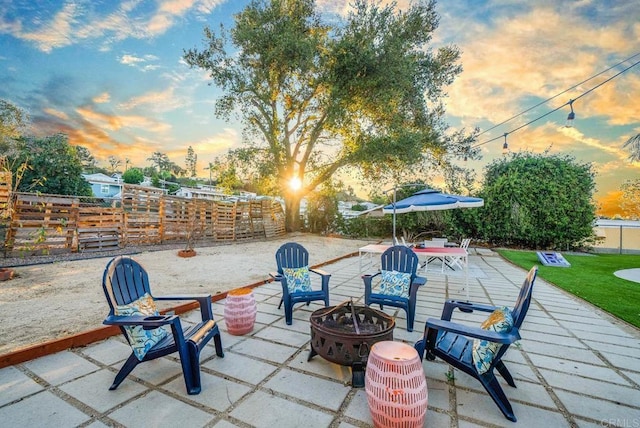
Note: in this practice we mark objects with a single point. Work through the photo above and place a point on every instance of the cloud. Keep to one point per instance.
(55, 33)
(517, 55)
(157, 101)
(141, 63)
(56, 113)
(77, 22)
(208, 148)
(102, 98)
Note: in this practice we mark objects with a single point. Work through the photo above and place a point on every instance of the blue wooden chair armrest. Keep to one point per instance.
(320, 272)
(475, 332)
(367, 278)
(420, 281)
(463, 306)
(146, 321)
(325, 279)
(204, 300)
(276, 276)
(184, 297)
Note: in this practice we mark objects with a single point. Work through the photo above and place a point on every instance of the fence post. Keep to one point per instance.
(620, 239)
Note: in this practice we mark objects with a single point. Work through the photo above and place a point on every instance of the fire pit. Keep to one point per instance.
(344, 335)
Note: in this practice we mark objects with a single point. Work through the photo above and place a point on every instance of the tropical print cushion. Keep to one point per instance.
(298, 279)
(141, 340)
(500, 321)
(395, 283)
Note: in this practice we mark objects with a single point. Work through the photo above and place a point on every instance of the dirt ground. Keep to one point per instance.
(54, 300)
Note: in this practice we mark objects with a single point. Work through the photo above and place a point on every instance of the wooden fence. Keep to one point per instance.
(47, 224)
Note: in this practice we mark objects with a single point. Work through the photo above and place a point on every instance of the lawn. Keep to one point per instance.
(591, 278)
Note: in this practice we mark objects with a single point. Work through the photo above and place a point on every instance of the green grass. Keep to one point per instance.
(591, 278)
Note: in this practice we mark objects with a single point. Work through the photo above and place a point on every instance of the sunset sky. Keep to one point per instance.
(110, 75)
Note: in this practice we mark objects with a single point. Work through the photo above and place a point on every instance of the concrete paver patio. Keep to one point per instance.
(575, 366)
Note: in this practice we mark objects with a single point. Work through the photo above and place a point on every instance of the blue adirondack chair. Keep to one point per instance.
(453, 342)
(126, 283)
(402, 259)
(293, 257)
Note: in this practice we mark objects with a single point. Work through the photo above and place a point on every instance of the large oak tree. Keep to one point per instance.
(315, 98)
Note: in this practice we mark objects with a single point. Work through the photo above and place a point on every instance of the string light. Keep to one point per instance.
(557, 95)
(505, 146)
(563, 105)
(571, 116)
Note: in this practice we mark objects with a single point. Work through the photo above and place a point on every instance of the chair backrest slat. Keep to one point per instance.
(124, 281)
(291, 255)
(401, 259)
(524, 298)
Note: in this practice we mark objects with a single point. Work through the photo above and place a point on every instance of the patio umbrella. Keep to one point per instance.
(429, 200)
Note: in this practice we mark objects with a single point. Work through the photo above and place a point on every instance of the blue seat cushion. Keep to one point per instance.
(395, 283)
(298, 279)
(141, 340)
(500, 321)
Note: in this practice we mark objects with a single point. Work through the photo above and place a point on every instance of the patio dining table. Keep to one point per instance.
(447, 253)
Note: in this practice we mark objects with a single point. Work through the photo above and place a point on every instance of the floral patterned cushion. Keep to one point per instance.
(484, 351)
(395, 283)
(298, 279)
(141, 340)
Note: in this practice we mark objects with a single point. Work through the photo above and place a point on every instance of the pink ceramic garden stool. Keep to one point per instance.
(240, 311)
(396, 386)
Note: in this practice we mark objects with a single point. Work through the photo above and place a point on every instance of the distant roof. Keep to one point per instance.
(100, 177)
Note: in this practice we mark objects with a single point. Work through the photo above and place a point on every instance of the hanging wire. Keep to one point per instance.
(557, 95)
(558, 108)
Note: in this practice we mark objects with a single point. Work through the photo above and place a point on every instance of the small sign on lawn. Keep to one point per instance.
(552, 259)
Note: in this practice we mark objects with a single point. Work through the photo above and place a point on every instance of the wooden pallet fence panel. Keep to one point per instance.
(273, 216)
(225, 221)
(142, 216)
(209, 218)
(43, 224)
(99, 228)
(257, 221)
(201, 218)
(5, 210)
(5, 191)
(175, 218)
(242, 227)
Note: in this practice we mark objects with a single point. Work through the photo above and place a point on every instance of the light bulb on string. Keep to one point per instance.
(571, 116)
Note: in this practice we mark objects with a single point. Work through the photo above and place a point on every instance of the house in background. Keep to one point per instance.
(202, 192)
(104, 186)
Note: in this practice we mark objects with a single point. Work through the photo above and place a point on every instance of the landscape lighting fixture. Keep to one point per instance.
(505, 146)
(571, 116)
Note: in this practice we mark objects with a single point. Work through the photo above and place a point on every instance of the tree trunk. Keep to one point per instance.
(292, 213)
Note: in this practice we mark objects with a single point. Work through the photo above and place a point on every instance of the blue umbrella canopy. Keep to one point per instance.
(432, 200)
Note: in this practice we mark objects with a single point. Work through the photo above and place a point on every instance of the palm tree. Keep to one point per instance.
(634, 148)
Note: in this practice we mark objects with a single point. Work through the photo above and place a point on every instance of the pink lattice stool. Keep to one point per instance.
(396, 386)
(240, 311)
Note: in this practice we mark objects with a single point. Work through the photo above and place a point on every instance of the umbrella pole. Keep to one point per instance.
(394, 217)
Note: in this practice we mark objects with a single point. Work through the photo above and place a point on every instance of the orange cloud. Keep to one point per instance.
(56, 113)
(157, 101)
(609, 205)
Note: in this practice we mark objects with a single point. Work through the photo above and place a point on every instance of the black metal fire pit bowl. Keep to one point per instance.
(344, 334)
